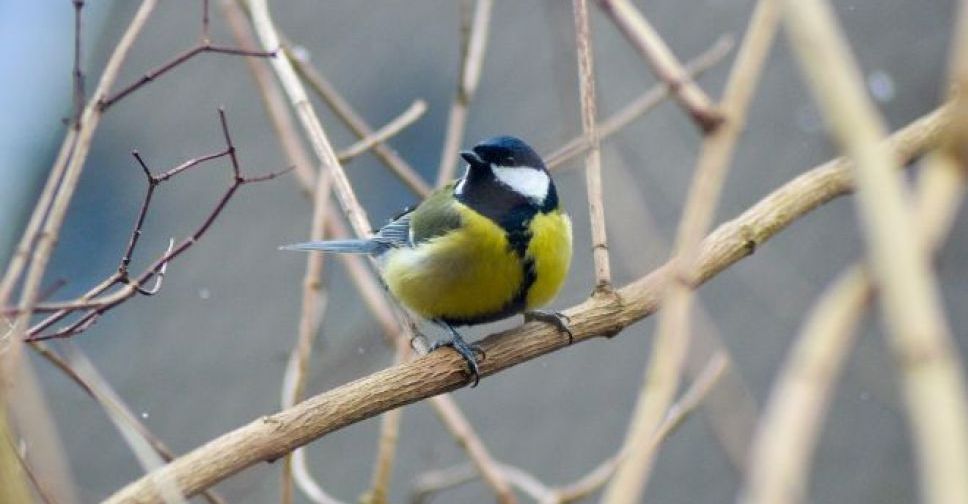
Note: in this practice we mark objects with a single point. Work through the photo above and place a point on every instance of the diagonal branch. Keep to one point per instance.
(933, 375)
(665, 65)
(673, 331)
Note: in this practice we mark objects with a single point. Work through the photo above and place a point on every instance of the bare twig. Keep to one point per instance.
(140, 445)
(640, 106)
(272, 97)
(130, 287)
(266, 31)
(74, 158)
(355, 122)
(931, 367)
(387, 443)
(272, 436)
(13, 484)
(792, 420)
(204, 46)
(473, 44)
(593, 158)
(78, 74)
(665, 65)
(24, 465)
(111, 402)
(435, 481)
(673, 334)
(313, 299)
(460, 428)
(705, 382)
(429, 483)
(415, 111)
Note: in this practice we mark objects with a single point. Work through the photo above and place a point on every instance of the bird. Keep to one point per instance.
(493, 244)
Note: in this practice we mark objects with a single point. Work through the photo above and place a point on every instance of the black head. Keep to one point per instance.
(506, 180)
(505, 151)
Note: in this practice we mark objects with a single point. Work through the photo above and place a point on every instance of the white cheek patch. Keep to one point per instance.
(463, 181)
(529, 182)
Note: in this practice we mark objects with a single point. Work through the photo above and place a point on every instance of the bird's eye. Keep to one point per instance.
(509, 161)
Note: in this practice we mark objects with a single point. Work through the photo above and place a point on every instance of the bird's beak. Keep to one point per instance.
(471, 157)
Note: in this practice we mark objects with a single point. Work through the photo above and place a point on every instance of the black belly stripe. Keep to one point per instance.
(518, 241)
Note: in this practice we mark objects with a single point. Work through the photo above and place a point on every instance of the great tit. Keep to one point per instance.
(493, 244)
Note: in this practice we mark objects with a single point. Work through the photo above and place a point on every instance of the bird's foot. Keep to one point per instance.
(468, 352)
(555, 318)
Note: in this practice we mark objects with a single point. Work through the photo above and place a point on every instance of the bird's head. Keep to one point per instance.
(507, 165)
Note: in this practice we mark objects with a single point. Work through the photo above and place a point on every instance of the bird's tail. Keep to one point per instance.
(339, 246)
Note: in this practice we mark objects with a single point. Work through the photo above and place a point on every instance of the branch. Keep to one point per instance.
(415, 111)
(271, 437)
(662, 373)
(593, 156)
(352, 119)
(932, 374)
(473, 44)
(204, 46)
(665, 65)
(639, 106)
(97, 306)
(266, 31)
(792, 419)
(48, 228)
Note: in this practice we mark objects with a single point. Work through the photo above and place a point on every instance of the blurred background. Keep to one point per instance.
(208, 353)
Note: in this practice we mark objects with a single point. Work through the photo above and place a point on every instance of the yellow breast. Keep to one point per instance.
(472, 275)
(462, 275)
(550, 248)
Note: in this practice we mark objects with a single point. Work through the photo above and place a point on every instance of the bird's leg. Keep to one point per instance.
(555, 318)
(461, 347)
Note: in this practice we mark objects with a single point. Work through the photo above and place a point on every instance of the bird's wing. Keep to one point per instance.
(397, 232)
(436, 216)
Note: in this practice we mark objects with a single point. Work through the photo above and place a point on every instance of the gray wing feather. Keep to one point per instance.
(394, 235)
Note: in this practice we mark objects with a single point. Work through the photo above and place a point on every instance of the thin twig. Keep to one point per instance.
(640, 106)
(932, 374)
(664, 368)
(184, 56)
(352, 119)
(415, 111)
(93, 301)
(272, 97)
(270, 437)
(78, 74)
(792, 420)
(297, 371)
(140, 444)
(15, 487)
(473, 44)
(114, 403)
(593, 158)
(50, 228)
(266, 31)
(460, 428)
(313, 297)
(435, 481)
(691, 399)
(387, 442)
(665, 65)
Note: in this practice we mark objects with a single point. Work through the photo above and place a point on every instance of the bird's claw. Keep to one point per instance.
(555, 318)
(468, 352)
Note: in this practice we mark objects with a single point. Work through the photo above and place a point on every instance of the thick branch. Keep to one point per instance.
(271, 437)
